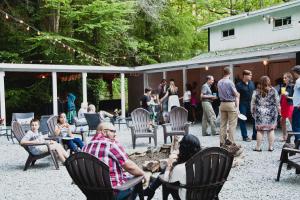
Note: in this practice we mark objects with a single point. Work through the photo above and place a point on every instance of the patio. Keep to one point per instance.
(251, 180)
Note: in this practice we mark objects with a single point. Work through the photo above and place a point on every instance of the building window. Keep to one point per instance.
(282, 22)
(228, 33)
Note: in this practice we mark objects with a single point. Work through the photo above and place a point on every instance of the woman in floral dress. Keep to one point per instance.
(265, 108)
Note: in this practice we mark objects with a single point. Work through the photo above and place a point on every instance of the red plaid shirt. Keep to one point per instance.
(111, 153)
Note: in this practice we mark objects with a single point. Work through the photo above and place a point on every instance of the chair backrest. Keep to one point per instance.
(206, 173)
(178, 117)
(23, 116)
(91, 175)
(93, 120)
(140, 120)
(17, 130)
(43, 124)
(51, 123)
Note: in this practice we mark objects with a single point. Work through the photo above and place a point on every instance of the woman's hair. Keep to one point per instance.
(264, 85)
(188, 87)
(289, 76)
(59, 115)
(188, 146)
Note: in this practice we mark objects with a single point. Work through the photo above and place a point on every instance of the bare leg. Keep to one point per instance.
(61, 153)
(271, 138)
(283, 128)
(259, 138)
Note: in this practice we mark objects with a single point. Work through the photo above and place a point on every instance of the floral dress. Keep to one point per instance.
(265, 110)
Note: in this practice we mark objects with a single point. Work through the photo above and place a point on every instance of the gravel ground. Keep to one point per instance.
(255, 179)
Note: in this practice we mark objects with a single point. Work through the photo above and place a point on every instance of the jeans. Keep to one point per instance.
(245, 110)
(296, 122)
(123, 194)
(74, 143)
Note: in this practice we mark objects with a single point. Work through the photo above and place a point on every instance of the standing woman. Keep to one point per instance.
(63, 129)
(172, 94)
(265, 108)
(286, 102)
(187, 100)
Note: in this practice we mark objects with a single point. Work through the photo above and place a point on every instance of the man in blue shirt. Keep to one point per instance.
(246, 88)
(296, 102)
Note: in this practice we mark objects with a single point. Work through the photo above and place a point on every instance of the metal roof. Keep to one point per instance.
(248, 15)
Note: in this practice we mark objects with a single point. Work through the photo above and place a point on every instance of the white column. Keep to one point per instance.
(84, 87)
(54, 93)
(164, 75)
(231, 72)
(123, 100)
(145, 80)
(184, 78)
(2, 97)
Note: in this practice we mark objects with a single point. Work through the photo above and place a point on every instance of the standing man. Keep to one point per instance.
(296, 102)
(246, 87)
(209, 115)
(146, 98)
(229, 98)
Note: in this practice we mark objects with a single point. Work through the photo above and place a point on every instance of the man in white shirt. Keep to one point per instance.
(296, 102)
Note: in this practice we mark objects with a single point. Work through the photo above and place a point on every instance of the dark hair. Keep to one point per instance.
(34, 120)
(163, 80)
(147, 90)
(172, 80)
(226, 71)
(188, 146)
(188, 87)
(59, 116)
(296, 69)
(246, 72)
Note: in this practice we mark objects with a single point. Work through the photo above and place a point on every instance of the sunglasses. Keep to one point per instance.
(113, 131)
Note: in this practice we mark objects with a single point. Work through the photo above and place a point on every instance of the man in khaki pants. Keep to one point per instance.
(229, 98)
(209, 116)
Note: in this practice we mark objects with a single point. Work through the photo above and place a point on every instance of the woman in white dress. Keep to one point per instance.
(172, 94)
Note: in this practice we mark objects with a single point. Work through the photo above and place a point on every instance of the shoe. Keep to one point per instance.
(205, 134)
(246, 139)
(258, 150)
(271, 149)
(216, 133)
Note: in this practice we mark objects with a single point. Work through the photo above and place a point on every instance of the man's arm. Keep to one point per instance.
(132, 168)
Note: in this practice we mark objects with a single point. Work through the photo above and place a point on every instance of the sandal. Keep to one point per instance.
(258, 150)
(271, 149)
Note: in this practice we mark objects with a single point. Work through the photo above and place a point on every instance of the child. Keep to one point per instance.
(62, 128)
(34, 137)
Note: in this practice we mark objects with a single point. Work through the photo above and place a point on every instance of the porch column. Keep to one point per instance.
(2, 97)
(231, 72)
(164, 75)
(145, 80)
(54, 93)
(123, 100)
(84, 88)
(184, 78)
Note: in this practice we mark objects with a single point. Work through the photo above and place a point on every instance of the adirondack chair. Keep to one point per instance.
(43, 124)
(23, 119)
(140, 126)
(93, 120)
(19, 134)
(92, 177)
(290, 154)
(178, 124)
(206, 173)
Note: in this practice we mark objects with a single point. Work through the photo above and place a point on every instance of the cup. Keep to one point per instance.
(283, 90)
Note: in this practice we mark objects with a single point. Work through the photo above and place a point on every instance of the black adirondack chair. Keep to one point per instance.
(93, 120)
(206, 172)
(19, 134)
(92, 177)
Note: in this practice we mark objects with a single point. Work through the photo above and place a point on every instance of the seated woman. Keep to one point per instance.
(62, 128)
(175, 171)
(34, 137)
(103, 114)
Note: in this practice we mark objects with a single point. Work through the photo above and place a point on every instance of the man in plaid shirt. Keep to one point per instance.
(105, 147)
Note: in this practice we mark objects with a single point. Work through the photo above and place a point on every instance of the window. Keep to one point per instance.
(228, 33)
(281, 22)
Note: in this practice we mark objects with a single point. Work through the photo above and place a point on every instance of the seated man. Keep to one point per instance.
(105, 147)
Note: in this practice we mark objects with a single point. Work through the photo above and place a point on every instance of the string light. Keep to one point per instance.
(206, 68)
(6, 16)
(28, 28)
(265, 62)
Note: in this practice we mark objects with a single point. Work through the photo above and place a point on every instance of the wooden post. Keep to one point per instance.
(84, 87)
(123, 96)
(54, 93)
(2, 97)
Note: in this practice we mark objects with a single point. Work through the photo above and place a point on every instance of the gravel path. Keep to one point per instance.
(255, 179)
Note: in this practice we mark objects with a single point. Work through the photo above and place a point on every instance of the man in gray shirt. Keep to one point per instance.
(229, 98)
(209, 116)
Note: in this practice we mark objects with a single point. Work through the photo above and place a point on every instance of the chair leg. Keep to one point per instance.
(54, 160)
(279, 171)
(155, 141)
(149, 140)
(28, 161)
(133, 142)
(33, 162)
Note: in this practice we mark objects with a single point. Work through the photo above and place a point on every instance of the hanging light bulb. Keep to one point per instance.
(6, 16)
(206, 68)
(21, 21)
(28, 28)
(265, 62)
(39, 33)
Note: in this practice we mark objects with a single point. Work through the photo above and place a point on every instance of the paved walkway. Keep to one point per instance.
(254, 180)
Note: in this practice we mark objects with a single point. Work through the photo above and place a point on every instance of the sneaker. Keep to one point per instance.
(246, 139)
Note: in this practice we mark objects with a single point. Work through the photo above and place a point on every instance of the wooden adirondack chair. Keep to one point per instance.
(19, 134)
(93, 120)
(92, 177)
(178, 124)
(206, 173)
(23, 116)
(140, 126)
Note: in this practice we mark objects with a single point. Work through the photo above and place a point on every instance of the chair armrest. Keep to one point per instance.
(291, 150)
(188, 123)
(154, 126)
(130, 183)
(40, 144)
(166, 124)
